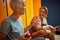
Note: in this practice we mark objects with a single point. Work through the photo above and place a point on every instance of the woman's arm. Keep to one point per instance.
(2, 36)
(23, 38)
(4, 30)
(27, 28)
(32, 23)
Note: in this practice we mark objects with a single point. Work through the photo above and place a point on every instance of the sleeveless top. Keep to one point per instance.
(39, 22)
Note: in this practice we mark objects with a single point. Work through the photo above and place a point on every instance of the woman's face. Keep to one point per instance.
(20, 8)
(42, 13)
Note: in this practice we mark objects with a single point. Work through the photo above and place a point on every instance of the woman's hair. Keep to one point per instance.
(15, 2)
(46, 9)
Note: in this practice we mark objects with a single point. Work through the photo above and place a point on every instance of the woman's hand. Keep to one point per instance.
(50, 27)
(24, 38)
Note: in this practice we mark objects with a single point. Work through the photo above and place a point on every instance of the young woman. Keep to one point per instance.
(40, 25)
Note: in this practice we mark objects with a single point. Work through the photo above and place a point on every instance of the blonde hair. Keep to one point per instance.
(46, 9)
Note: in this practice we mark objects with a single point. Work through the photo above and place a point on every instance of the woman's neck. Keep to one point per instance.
(15, 15)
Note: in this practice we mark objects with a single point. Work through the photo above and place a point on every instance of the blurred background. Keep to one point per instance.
(32, 9)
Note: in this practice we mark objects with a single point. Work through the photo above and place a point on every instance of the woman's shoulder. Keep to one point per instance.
(5, 21)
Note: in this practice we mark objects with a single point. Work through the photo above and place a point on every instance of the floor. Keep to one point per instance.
(57, 37)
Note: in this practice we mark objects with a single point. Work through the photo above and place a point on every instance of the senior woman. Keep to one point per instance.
(12, 27)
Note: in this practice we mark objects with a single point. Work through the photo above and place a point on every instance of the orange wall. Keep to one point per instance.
(2, 11)
(36, 6)
(29, 10)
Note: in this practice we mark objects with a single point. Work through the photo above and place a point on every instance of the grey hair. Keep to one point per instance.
(17, 1)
